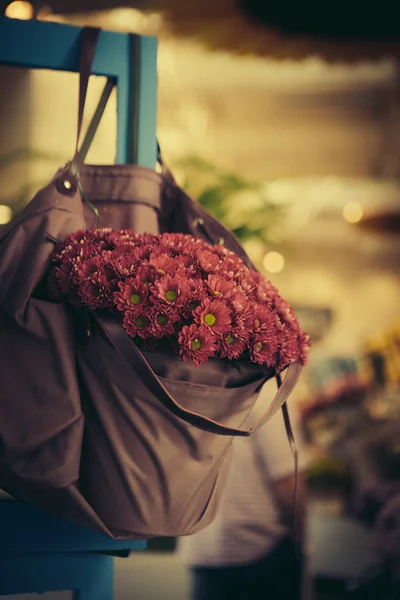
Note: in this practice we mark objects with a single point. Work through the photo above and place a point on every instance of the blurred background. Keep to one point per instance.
(287, 128)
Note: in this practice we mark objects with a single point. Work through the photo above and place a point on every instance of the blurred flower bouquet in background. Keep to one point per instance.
(332, 414)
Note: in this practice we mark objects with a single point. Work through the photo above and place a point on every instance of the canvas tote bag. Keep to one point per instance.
(92, 429)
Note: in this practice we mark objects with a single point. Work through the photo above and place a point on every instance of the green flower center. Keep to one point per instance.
(161, 271)
(171, 295)
(209, 319)
(229, 339)
(134, 299)
(257, 322)
(161, 319)
(259, 346)
(196, 344)
(140, 322)
(217, 293)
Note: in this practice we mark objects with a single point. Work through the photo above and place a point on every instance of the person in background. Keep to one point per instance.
(249, 552)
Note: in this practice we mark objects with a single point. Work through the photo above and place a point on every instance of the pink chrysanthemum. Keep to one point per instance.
(215, 315)
(188, 263)
(193, 297)
(221, 288)
(286, 313)
(163, 264)
(133, 295)
(141, 253)
(163, 319)
(161, 282)
(263, 348)
(147, 274)
(247, 282)
(65, 276)
(121, 237)
(196, 344)
(137, 323)
(243, 314)
(95, 292)
(123, 264)
(88, 268)
(231, 266)
(152, 240)
(79, 237)
(304, 347)
(171, 290)
(221, 251)
(232, 345)
(208, 261)
(174, 243)
(264, 292)
(71, 256)
(264, 319)
(288, 350)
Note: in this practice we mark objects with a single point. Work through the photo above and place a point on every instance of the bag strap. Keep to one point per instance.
(132, 355)
(165, 170)
(95, 121)
(89, 38)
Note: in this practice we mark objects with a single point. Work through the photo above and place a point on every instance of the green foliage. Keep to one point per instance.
(240, 204)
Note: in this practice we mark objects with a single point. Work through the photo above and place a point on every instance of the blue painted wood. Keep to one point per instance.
(90, 575)
(24, 528)
(40, 45)
(147, 123)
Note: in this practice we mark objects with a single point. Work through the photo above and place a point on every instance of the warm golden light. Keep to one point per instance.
(126, 18)
(45, 13)
(19, 10)
(5, 214)
(352, 212)
(273, 262)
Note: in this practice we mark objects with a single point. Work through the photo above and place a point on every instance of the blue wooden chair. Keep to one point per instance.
(39, 552)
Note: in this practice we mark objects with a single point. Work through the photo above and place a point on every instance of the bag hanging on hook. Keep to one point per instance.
(134, 444)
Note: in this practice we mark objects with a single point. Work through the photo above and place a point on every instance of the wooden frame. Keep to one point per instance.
(130, 60)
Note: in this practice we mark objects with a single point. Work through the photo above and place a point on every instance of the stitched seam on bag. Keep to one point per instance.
(126, 175)
(206, 388)
(123, 201)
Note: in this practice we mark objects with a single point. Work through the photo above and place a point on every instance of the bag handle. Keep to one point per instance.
(132, 355)
(81, 154)
(89, 38)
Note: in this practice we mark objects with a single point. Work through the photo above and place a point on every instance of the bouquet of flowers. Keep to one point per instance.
(173, 291)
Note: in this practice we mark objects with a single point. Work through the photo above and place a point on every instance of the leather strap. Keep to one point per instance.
(165, 170)
(95, 121)
(89, 38)
(132, 355)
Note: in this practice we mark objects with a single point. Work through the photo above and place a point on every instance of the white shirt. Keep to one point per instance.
(248, 522)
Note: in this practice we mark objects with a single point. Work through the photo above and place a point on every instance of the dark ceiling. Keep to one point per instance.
(339, 30)
(354, 20)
